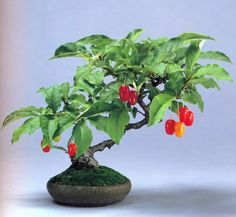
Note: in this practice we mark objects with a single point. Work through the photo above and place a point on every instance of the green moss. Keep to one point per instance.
(89, 177)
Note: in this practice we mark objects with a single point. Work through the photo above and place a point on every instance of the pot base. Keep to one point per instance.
(88, 195)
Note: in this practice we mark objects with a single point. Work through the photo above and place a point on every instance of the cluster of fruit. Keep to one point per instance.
(127, 95)
(186, 118)
(72, 148)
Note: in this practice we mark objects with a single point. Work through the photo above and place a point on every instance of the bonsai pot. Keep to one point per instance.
(89, 187)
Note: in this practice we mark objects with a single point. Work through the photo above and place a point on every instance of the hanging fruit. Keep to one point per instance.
(189, 119)
(46, 148)
(182, 113)
(72, 148)
(133, 97)
(124, 93)
(170, 126)
(57, 138)
(179, 129)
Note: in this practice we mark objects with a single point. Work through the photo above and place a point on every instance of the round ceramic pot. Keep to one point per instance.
(88, 195)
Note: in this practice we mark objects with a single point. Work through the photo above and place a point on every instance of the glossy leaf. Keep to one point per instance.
(190, 35)
(192, 54)
(175, 83)
(82, 136)
(85, 78)
(65, 89)
(65, 121)
(71, 49)
(158, 107)
(175, 105)
(174, 68)
(53, 96)
(29, 126)
(99, 108)
(29, 111)
(205, 82)
(81, 73)
(116, 124)
(48, 126)
(213, 70)
(94, 40)
(99, 122)
(134, 34)
(193, 97)
(215, 55)
(159, 69)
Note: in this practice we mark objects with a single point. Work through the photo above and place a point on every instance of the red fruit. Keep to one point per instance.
(72, 147)
(46, 148)
(182, 113)
(189, 118)
(124, 93)
(133, 97)
(170, 127)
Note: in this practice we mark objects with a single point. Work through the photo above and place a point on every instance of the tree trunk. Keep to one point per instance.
(86, 160)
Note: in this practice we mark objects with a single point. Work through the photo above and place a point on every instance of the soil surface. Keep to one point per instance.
(89, 177)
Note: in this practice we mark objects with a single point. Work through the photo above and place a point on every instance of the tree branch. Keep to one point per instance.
(142, 103)
(109, 143)
(101, 146)
(136, 125)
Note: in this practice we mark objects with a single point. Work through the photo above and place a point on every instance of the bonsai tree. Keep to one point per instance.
(122, 80)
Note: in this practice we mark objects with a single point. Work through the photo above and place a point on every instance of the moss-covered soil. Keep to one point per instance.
(89, 177)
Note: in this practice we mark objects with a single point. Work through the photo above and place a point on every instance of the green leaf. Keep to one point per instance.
(99, 108)
(173, 68)
(193, 97)
(65, 121)
(71, 49)
(215, 55)
(95, 78)
(190, 36)
(94, 40)
(158, 107)
(45, 142)
(53, 96)
(29, 111)
(65, 89)
(116, 124)
(77, 101)
(109, 94)
(83, 137)
(159, 69)
(192, 54)
(134, 34)
(213, 70)
(81, 73)
(85, 78)
(29, 126)
(48, 126)
(180, 54)
(99, 122)
(166, 50)
(85, 87)
(175, 105)
(205, 82)
(175, 83)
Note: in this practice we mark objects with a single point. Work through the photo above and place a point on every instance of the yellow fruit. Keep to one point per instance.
(179, 129)
(57, 139)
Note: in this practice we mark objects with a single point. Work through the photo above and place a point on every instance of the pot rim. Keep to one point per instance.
(90, 186)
